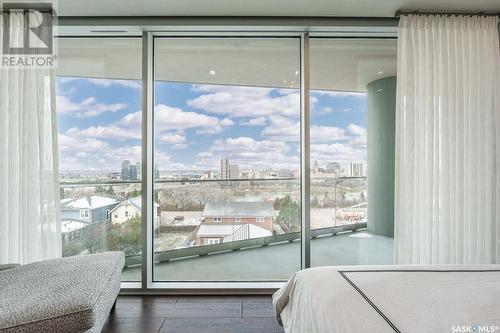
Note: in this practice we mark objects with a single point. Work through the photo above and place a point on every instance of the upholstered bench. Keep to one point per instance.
(73, 294)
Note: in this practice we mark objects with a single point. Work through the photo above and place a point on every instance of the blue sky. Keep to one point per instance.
(99, 123)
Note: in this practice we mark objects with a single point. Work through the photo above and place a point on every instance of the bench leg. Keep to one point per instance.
(114, 306)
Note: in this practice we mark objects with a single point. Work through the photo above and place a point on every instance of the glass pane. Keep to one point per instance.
(99, 123)
(341, 71)
(227, 115)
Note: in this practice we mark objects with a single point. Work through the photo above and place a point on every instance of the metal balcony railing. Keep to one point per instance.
(204, 250)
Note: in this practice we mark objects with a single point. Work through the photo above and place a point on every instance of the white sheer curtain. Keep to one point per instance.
(448, 140)
(29, 193)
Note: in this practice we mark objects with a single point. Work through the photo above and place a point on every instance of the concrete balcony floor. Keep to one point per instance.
(275, 262)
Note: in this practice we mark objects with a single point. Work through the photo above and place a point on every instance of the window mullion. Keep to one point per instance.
(305, 152)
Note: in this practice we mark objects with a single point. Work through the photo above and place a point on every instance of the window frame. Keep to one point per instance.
(387, 30)
(84, 214)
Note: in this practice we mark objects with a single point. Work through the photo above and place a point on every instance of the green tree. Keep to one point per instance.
(125, 236)
(71, 247)
(93, 238)
(110, 191)
(100, 190)
(289, 215)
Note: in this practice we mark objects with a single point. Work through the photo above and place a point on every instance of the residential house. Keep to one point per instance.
(90, 209)
(130, 208)
(258, 213)
(79, 213)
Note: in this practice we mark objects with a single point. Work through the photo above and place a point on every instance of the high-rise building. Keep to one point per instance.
(139, 170)
(356, 170)
(129, 171)
(229, 171)
(234, 171)
(224, 168)
(133, 172)
(126, 170)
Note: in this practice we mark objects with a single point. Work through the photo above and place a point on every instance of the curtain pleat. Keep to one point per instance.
(29, 189)
(448, 140)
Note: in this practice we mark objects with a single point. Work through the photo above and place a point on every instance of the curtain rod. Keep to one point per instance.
(447, 13)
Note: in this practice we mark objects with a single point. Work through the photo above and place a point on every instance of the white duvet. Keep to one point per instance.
(349, 299)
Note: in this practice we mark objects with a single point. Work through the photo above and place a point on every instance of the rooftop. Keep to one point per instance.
(238, 209)
(72, 225)
(232, 231)
(90, 202)
(136, 202)
(247, 231)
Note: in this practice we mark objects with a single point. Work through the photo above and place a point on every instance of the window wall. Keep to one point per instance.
(341, 71)
(227, 159)
(226, 154)
(99, 93)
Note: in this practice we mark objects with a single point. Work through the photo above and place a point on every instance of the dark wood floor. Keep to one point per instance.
(192, 314)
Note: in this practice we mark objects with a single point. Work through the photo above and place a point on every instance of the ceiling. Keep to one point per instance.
(339, 65)
(324, 8)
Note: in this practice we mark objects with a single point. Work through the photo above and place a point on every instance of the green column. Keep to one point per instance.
(381, 110)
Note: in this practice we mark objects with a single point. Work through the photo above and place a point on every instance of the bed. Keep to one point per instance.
(438, 298)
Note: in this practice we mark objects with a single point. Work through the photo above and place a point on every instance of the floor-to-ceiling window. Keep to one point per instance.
(98, 114)
(342, 70)
(226, 158)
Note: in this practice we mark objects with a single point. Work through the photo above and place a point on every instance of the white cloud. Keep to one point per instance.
(105, 132)
(169, 118)
(338, 93)
(74, 144)
(282, 128)
(80, 153)
(288, 130)
(326, 133)
(359, 134)
(337, 152)
(247, 102)
(250, 153)
(178, 140)
(86, 108)
(174, 138)
(356, 130)
(226, 122)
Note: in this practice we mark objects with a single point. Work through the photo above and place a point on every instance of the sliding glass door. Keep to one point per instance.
(226, 159)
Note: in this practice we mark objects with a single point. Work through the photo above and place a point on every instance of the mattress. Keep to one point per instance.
(415, 298)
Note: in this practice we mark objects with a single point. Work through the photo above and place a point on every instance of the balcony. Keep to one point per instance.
(235, 261)
(339, 234)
